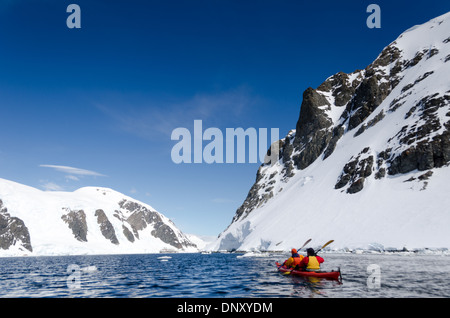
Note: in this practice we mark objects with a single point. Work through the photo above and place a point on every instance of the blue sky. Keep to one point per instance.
(96, 106)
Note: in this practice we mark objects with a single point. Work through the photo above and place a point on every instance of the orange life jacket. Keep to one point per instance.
(297, 260)
(294, 260)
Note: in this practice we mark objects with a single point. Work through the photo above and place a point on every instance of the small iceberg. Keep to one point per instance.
(252, 254)
(89, 269)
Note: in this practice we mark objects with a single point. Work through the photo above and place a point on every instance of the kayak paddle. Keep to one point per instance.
(326, 244)
(304, 245)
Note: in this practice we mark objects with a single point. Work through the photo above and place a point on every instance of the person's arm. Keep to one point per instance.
(320, 259)
(289, 262)
(304, 262)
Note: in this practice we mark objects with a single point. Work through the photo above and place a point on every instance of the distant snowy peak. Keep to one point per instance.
(87, 221)
(391, 118)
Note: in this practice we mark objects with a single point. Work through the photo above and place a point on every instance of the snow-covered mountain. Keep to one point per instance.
(368, 162)
(87, 221)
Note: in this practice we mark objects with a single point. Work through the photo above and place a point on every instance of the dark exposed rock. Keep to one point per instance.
(253, 199)
(355, 172)
(106, 227)
(336, 135)
(426, 175)
(76, 221)
(13, 231)
(424, 153)
(342, 88)
(389, 55)
(375, 86)
(318, 142)
(421, 78)
(166, 234)
(141, 217)
(128, 234)
(369, 95)
(399, 101)
(286, 149)
(432, 52)
(381, 173)
(356, 186)
(312, 118)
(422, 178)
(423, 156)
(312, 135)
(371, 123)
(417, 58)
(410, 179)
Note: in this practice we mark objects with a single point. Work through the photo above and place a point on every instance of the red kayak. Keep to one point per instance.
(334, 275)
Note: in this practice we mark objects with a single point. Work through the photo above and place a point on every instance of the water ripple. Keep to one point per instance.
(218, 276)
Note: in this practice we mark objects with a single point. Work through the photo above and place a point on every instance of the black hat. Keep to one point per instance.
(310, 251)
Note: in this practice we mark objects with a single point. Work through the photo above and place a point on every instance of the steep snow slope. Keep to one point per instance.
(87, 221)
(368, 161)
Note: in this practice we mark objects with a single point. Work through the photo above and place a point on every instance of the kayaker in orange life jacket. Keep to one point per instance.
(294, 260)
(311, 262)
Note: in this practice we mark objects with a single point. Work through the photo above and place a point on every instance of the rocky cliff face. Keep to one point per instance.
(405, 93)
(87, 221)
(13, 231)
(141, 217)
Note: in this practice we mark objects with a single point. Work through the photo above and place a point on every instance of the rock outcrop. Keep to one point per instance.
(76, 220)
(141, 217)
(106, 227)
(13, 231)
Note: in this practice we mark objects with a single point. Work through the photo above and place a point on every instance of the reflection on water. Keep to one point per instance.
(220, 275)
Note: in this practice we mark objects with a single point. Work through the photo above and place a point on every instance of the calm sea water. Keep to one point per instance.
(221, 276)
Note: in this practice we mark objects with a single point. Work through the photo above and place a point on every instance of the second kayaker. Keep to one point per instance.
(294, 260)
(311, 262)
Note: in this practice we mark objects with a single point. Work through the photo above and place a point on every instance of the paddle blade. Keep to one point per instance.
(304, 244)
(327, 243)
